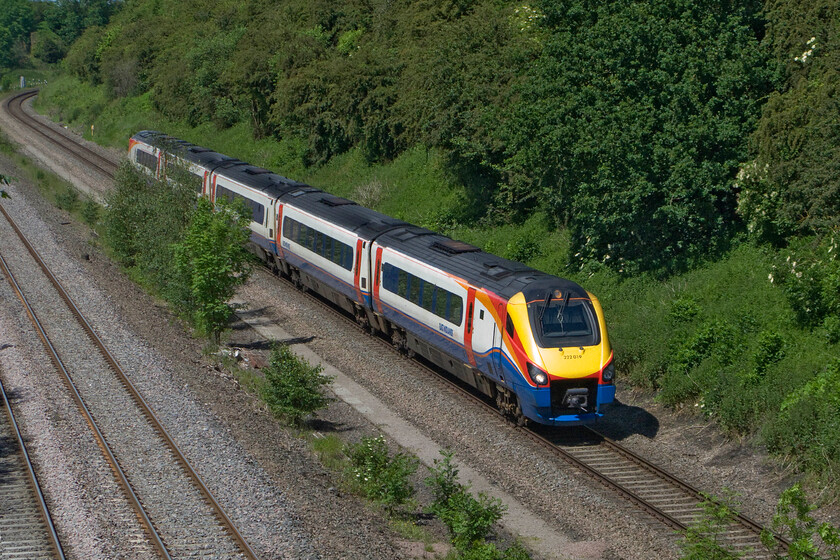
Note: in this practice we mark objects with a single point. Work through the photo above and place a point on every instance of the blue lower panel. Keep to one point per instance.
(536, 405)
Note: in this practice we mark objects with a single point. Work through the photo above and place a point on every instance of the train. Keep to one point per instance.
(534, 343)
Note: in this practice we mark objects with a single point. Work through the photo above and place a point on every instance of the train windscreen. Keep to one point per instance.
(559, 320)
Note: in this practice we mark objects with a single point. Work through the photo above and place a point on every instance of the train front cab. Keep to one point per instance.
(565, 353)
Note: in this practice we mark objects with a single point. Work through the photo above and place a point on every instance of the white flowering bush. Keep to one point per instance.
(760, 203)
(810, 277)
(382, 477)
(526, 17)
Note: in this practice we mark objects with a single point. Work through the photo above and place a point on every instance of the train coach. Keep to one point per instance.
(535, 343)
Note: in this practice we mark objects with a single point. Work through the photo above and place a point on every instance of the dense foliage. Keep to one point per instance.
(178, 246)
(632, 125)
(45, 29)
(608, 115)
(793, 184)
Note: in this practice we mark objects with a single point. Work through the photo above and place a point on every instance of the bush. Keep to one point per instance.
(807, 426)
(210, 262)
(383, 478)
(808, 538)
(293, 388)
(90, 212)
(67, 199)
(810, 277)
(468, 519)
(703, 541)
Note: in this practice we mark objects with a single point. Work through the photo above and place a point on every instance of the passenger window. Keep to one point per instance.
(456, 308)
(441, 296)
(428, 296)
(402, 284)
(414, 289)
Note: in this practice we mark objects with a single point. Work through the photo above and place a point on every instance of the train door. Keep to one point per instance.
(496, 352)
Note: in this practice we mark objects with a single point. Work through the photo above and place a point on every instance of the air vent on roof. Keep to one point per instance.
(303, 191)
(453, 247)
(256, 171)
(496, 272)
(336, 201)
(198, 150)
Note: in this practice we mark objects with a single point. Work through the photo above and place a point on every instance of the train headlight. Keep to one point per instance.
(537, 375)
(609, 373)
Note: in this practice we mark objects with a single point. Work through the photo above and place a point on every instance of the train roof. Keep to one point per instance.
(258, 178)
(481, 269)
(362, 221)
(187, 150)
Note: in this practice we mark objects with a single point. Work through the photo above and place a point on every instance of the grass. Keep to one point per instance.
(53, 188)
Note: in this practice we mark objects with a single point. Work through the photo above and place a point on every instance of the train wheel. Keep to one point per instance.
(362, 319)
(508, 403)
(400, 342)
(518, 418)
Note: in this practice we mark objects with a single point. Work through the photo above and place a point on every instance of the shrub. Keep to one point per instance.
(712, 339)
(793, 519)
(293, 388)
(810, 278)
(771, 349)
(468, 519)
(68, 199)
(703, 540)
(211, 261)
(683, 309)
(383, 478)
(90, 212)
(807, 426)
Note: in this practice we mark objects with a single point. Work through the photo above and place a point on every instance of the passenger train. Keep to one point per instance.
(535, 343)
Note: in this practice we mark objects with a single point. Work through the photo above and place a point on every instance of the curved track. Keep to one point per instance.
(177, 536)
(14, 105)
(670, 500)
(26, 527)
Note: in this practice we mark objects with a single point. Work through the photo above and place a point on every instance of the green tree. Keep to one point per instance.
(47, 45)
(212, 260)
(792, 186)
(17, 20)
(632, 125)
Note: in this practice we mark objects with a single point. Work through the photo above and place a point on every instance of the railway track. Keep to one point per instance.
(26, 527)
(179, 516)
(14, 105)
(674, 503)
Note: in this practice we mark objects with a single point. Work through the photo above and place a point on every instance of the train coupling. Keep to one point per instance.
(576, 398)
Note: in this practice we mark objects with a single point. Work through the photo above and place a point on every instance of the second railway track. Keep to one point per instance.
(180, 516)
(14, 105)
